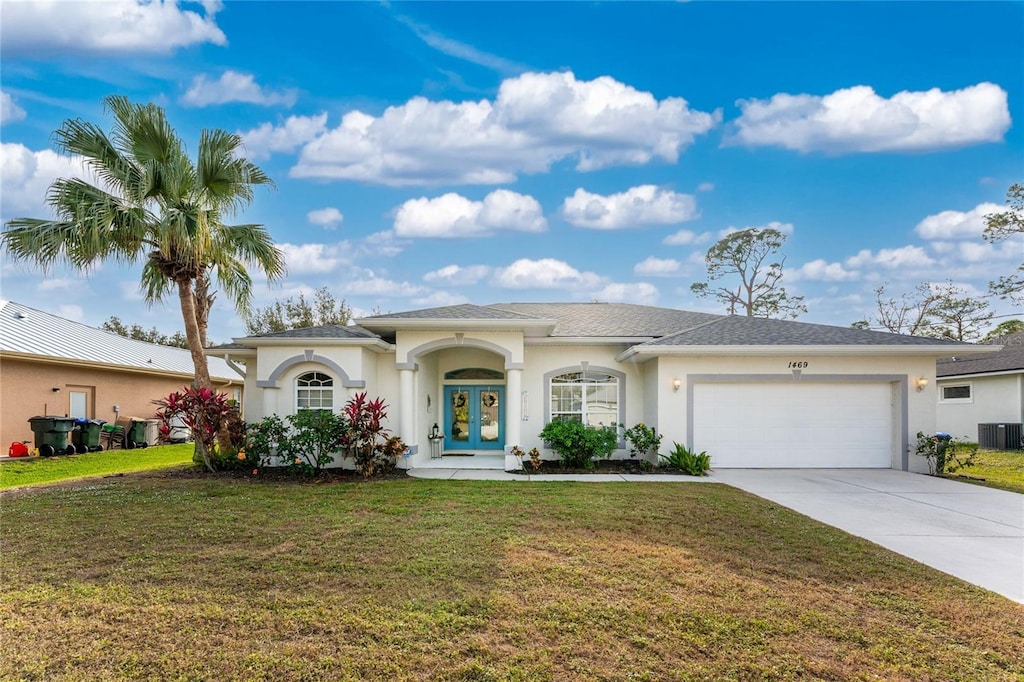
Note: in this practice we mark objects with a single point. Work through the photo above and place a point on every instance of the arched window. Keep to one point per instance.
(314, 391)
(587, 396)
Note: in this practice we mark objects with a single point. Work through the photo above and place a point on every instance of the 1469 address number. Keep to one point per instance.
(799, 364)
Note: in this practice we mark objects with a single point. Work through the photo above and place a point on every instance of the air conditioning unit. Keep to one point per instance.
(1000, 436)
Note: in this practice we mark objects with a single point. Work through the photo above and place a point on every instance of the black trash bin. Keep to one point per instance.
(86, 436)
(51, 434)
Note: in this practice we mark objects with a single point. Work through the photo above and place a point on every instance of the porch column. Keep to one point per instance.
(513, 406)
(407, 416)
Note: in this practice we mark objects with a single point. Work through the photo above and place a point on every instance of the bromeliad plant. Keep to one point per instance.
(366, 441)
(687, 461)
(202, 411)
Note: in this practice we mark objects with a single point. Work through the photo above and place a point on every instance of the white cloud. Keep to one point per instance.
(26, 177)
(536, 120)
(546, 273)
(267, 139)
(71, 312)
(658, 267)
(233, 86)
(315, 258)
(459, 50)
(328, 218)
(132, 26)
(382, 244)
(822, 271)
(642, 205)
(453, 215)
(456, 275)
(956, 224)
(785, 228)
(686, 238)
(858, 120)
(60, 284)
(380, 286)
(439, 299)
(9, 109)
(907, 256)
(639, 292)
(706, 187)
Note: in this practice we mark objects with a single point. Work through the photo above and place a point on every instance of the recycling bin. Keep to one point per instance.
(86, 436)
(51, 434)
(135, 432)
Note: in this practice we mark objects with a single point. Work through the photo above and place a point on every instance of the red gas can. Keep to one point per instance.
(17, 450)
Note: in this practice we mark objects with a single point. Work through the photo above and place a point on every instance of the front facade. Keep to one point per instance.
(751, 392)
(977, 391)
(53, 366)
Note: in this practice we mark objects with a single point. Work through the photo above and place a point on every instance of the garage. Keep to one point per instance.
(795, 424)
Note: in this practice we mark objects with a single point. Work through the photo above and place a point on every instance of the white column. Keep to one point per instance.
(407, 414)
(513, 414)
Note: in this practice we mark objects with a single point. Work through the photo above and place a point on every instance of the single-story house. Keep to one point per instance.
(53, 366)
(983, 389)
(752, 392)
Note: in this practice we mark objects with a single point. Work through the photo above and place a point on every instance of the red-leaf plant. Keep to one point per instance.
(202, 411)
(366, 439)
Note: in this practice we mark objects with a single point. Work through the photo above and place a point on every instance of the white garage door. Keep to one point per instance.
(769, 425)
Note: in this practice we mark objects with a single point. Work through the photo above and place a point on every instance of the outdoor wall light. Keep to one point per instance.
(920, 383)
(56, 389)
(677, 384)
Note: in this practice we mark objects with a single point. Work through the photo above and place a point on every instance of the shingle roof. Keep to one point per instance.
(34, 332)
(466, 311)
(327, 331)
(1009, 359)
(609, 319)
(736, 330)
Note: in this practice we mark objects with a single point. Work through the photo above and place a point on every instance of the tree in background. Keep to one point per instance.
(940, 311)
(298, 313)
(153, 204)
(136, 332)
(759, 292)
(1002, 226)
(1002, 329)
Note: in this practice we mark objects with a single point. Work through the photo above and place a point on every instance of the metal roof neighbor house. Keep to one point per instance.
(982, 388)
(752, 392)
(51, 365)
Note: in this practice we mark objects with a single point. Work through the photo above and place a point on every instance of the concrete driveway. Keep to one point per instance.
(971, 532)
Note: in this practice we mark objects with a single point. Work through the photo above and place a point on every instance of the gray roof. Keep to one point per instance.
(736, 330)
(327, 331)
(34, 332)
(1009, 359)
(609, 319)
(466, 311)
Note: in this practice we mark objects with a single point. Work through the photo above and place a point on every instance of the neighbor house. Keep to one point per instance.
(983, 390)
(53, 366)
(752, 392)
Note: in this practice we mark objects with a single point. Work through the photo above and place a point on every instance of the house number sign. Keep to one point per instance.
(798, 364)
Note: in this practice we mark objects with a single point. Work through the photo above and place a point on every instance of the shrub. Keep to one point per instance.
(203, 412)
(366, 440)
(578, 444)
(687, 461)
(945, 454)
(642, 440)
(315, 435)
(263, 441)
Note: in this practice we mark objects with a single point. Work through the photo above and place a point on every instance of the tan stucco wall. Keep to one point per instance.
(26, 390)
(994, 399)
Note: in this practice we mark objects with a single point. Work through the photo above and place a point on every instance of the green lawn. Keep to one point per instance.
(67, 467)
(176, 575)
(1002, 469)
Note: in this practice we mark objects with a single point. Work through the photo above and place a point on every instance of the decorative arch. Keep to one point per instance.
(586, 367)
(456, 341)
(309, 356)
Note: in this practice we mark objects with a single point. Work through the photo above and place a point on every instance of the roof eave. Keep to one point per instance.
(533, 327)
(971, 375)
(644, 352)
(254, 342)
(78, 362)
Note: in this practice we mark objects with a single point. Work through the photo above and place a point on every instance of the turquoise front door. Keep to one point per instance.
(475, 417)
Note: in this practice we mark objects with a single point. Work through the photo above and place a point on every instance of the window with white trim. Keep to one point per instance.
(957, 393)
(314, 391)
(587, 396)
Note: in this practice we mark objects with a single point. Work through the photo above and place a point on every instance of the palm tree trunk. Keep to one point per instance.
(195, 347)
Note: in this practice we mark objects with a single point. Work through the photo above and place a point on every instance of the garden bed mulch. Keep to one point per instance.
(607, 466)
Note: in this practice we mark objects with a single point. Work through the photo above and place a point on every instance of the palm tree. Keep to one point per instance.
(152, 203)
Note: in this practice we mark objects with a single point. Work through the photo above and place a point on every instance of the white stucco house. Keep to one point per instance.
(752, 392)
(983, 388)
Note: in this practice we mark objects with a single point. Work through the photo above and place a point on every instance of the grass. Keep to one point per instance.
(1003, 469)
(68, 467)
(178, 576)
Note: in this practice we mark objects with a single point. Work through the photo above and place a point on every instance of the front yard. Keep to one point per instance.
(1002, 469)
(169, 575)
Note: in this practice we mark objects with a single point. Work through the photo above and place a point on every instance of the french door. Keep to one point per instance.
(474, 416)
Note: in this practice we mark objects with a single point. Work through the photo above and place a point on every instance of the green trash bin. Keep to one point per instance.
(51, 434)
(86, 436)
(135, 433)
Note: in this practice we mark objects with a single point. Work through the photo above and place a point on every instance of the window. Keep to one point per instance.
(314, 391)
(587, 396)
(956, 393)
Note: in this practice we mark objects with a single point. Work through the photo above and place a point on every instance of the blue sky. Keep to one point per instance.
(432, 154)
